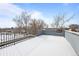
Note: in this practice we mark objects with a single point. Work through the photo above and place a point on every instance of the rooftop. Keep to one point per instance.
(44, 45)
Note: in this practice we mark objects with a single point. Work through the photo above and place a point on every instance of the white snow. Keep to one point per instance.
(44, 45)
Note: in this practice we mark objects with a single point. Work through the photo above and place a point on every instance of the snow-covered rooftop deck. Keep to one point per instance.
(44, 45)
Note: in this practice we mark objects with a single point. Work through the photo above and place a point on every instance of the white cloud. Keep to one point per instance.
(9, 9)
(36, 15)
(7, 12)
(66, 4)
(40, 15)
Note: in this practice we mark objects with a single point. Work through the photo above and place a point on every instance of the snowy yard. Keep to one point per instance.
(44, 45)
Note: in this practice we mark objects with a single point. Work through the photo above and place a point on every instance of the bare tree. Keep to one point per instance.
(22, 20)
(41, 24)
(36, 26)
(60, 20)
(33, 26)
(26, 18)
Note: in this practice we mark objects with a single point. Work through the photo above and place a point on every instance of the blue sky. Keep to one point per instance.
(45, 11)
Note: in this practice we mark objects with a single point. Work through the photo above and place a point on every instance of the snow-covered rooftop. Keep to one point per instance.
(44, 45)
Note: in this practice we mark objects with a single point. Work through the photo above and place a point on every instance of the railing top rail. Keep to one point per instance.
(75, 33)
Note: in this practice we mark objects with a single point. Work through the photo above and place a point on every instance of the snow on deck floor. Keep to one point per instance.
(44, 45)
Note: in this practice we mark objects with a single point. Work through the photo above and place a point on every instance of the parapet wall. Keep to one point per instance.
(52, 31)
(73, 38)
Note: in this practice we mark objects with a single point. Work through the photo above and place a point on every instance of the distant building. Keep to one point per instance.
(74, 27)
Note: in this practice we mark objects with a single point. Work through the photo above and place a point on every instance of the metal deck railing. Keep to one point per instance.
(7, 38)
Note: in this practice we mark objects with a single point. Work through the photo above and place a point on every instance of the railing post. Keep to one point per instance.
(14, 39)
(6, 38)
(1, 38)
